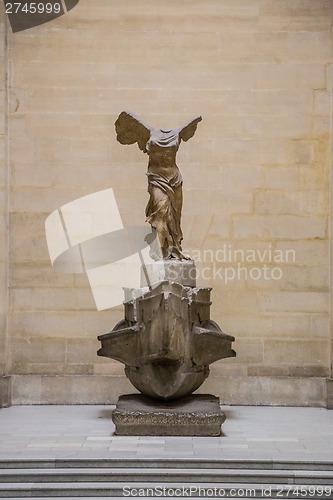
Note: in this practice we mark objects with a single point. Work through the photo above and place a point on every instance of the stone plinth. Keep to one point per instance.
(177, 271)
(167, 340)
(196, 415)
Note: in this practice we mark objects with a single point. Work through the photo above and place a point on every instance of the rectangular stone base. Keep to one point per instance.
(196, 415)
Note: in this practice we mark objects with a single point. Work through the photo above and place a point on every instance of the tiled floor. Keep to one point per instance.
(87, 432)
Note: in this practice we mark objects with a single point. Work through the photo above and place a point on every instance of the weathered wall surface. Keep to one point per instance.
(256, 182)
(4, 380)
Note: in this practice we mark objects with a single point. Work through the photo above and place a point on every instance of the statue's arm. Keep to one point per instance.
(130, 130)
(188, 130)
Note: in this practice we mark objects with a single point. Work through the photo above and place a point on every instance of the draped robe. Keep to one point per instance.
(165, 203)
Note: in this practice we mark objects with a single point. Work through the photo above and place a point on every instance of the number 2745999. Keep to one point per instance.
(33, 8)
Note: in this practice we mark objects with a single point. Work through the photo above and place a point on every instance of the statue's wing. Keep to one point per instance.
(188, 130)
(130, 129)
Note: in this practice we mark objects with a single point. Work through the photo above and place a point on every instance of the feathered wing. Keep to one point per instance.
(189, 130)
(130, 130)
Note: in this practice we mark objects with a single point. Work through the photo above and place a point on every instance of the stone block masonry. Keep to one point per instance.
(4, 352)
(259, 71)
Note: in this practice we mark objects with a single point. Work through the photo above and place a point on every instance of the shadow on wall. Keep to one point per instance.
(25, 15)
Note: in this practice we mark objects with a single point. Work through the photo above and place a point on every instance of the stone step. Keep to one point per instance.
(202, 490)
(164, 463)
(99, 478)
(168, 475)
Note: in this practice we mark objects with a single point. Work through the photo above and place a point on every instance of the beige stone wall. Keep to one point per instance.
(330, 380)
(4, 355)
(256, 177)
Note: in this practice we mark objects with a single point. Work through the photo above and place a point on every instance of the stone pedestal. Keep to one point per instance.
(183, 272)
(167, 342)
(196, 415)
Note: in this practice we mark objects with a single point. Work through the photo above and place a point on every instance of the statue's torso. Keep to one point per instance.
(162, 149)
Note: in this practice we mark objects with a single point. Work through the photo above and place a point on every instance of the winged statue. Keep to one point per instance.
(165, 182)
